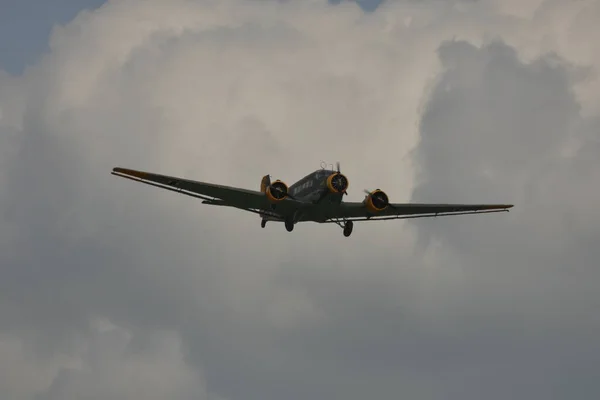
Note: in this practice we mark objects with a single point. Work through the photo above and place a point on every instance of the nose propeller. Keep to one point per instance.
(339, 172)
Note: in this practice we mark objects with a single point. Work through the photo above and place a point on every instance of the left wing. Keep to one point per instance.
(211, 193)
(358, 211)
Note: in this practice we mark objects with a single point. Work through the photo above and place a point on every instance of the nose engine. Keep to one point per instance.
(337, 183)
(376, 201)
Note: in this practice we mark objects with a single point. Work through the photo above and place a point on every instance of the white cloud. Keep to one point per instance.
(228, 91)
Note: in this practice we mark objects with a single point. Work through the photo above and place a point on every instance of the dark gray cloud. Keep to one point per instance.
(208, 305)
(499, 130)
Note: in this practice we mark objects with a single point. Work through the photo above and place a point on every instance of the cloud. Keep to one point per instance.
(498, 127)
(430, 101)
(107, 364)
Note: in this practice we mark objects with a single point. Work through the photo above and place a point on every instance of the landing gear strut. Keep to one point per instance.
(348, 228)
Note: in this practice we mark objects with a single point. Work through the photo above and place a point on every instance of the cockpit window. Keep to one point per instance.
(323, 173)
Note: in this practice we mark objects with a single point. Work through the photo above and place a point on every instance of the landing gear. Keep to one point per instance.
(289, 225)
(263, 223)
(348, 228)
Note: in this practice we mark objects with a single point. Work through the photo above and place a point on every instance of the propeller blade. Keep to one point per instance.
(388, 204)
(280, 190)
(338, 167)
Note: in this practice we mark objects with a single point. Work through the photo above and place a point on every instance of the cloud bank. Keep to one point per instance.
(114, 290)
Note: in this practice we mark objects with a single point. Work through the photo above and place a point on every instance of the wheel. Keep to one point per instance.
(263, 223)
(348, 228)
(289, 225)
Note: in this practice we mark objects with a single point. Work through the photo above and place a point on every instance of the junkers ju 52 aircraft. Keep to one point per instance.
(316, 198)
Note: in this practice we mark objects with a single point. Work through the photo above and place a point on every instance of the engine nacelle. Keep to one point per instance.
(337, 183)
(376, 201)
(277, 191)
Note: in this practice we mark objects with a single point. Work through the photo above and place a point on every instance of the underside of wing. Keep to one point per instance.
(356, 211)
(211, 193)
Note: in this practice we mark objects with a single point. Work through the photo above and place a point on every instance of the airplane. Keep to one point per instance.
(315, 198)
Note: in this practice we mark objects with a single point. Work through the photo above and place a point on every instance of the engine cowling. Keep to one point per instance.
(376, 201)
(337, 183)
(277, 191)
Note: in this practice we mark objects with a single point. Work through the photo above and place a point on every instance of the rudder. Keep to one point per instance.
(264, 183)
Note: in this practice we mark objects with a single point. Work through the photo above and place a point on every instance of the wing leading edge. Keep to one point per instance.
(249, 200)
(356, 211)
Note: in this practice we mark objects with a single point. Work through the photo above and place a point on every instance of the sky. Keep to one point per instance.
(110, 289)
(25, 26)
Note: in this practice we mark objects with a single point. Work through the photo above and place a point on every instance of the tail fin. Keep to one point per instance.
(264, 183)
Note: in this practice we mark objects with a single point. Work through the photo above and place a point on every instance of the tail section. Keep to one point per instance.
(264, 183)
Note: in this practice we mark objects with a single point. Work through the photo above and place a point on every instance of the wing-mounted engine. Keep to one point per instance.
(376, 201)
(337, 183)
(276, 191)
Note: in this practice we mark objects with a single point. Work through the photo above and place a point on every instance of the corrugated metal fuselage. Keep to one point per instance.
(312, 189)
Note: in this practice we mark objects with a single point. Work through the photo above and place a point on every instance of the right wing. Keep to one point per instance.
(358, 211)
(249, 200)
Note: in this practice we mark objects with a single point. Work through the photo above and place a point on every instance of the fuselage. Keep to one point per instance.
(314, 192)
(312, 187)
